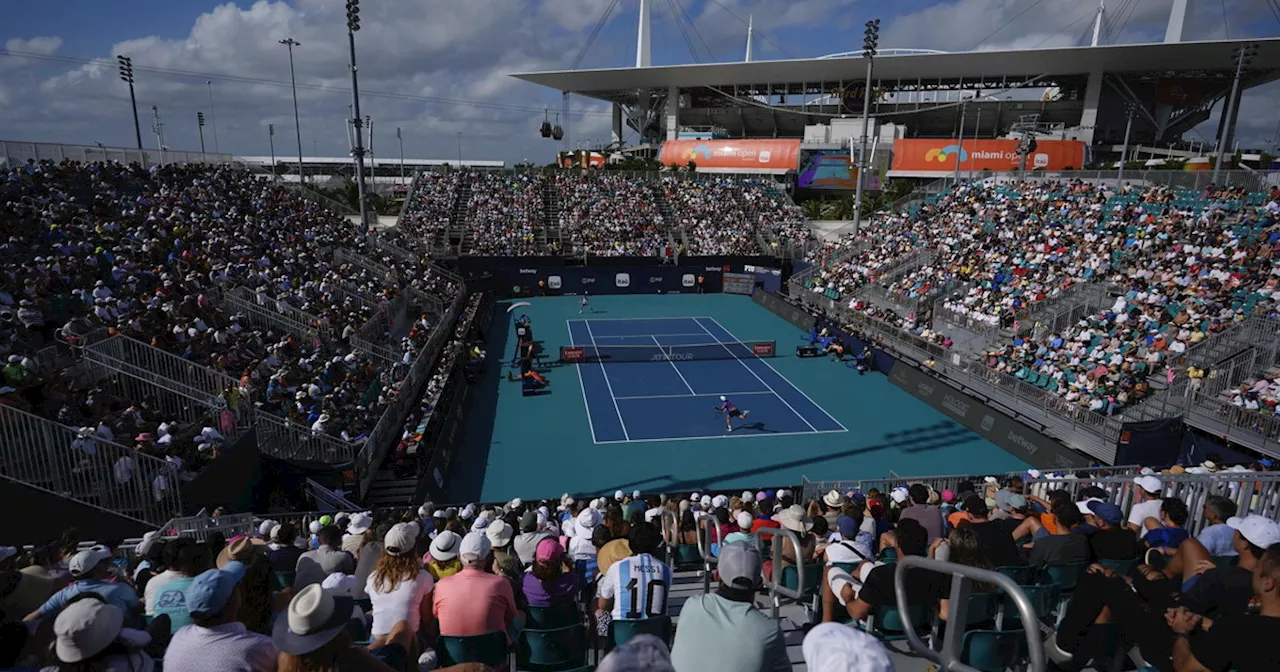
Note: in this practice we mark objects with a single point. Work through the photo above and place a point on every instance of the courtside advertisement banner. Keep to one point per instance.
(928, 157)
(739, 283)
(733, 156)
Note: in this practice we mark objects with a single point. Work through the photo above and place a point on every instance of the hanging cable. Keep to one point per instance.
(1125, 23)
(1006, 24)
(759, 32)
(675, 16)
(1226, 29)
(595, 32)
(694, 26)
(1064, 29)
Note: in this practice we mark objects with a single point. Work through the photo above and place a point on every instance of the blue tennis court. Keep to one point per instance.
(672, 398)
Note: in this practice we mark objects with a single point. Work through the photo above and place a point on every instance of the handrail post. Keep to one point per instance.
(777, 590)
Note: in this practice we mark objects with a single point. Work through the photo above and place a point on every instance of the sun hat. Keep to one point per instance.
(265, 527)
(240, 550)
(833, 499)
(360, 523)
(87, 627)
(635, 494)
(401, 539)
(499, 533)
(642, 653)
(209, 592)
(587, 521)
(84, 562)
(338, 583)
(548, 550)
(832, 647)
(475, 546)
(445, 546)
(314, 617)
(795, 519)
(1257, 530)
(740, 565)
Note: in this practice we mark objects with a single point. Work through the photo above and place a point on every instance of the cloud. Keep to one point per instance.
(44, 46)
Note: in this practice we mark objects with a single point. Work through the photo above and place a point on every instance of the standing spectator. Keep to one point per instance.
(724, 631)
(1217, 535)
(90, 570)
(474, 601)
(1146, 503)
(328, 558)
(929, 516)
(216, 641)
(399, 588)
(547, 583)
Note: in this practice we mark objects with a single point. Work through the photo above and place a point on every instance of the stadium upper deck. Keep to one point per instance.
(1175, 86)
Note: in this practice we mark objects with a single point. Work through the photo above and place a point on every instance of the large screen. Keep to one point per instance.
(831, 169)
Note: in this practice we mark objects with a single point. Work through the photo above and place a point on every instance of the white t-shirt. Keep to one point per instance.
(402, 604)
(638, 586)
(1143, 511)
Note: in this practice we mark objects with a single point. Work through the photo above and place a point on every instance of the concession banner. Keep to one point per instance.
(733, 156)
(939, 156)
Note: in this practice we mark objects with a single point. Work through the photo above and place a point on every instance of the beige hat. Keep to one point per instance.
(795, 519)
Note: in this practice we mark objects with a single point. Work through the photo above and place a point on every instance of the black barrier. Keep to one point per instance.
(780, 307)
(1017, 439)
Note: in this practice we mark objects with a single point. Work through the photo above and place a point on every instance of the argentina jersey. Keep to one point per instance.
(638, 586)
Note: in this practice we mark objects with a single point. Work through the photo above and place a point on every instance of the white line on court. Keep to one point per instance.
(733, 435)
(784, 378)
(653, 335)
(626, 319)
(694, 395)
(757, 376)
(585, 404)
(673, 366)
(603, 372)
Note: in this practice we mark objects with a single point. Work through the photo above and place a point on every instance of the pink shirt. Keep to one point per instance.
(473, 602)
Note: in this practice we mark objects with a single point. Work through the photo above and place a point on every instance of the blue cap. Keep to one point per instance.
(1266, 462)
(209, 592)
(1108, 512)
(769, 494)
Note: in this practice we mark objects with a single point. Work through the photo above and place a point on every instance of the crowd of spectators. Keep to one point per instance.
(712, 215)
(381, 590)
(1261, 394)
(504, 213)
(610, 215)
(1182, 266)
(430, 205)
(104, 249)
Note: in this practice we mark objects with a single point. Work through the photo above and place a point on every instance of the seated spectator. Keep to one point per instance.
(89, 571)
(636, 587)
(216, 640)
(282, 550)
(474, 601)
(1216, 535)
(399, 589)
(170, 599)
(838, 648)
(1166, 536)
(531, 534)
(870, 584)
(724, 631)
(442, 560)
(326, 559)
(997, 542)
(549, 583)
(930, 517)
(1062, 546)
(90, 635)
(1216, 644)
(314, 634)
(505, 562)
(1113, 539)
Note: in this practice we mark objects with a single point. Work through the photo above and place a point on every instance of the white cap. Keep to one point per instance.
(265, 528)
(619, 495)
(595, 504)
(1257, 530)
(315, 527)
(515, 503)
(635, 494)
(719, 501)
(339, 584)
(744, 520)
(475, 546)
(722, 398)
(705, 502)
(899, 495)
(748, 496)
(831, 647)
(85, 561)
(1149, 483)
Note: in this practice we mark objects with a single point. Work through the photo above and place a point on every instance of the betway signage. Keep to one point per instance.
(1019, 440)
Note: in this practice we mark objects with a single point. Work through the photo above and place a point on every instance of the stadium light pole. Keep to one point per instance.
(401, 141)
(1124, 151)
(357, 152)
(964, 104)
(200, 127)
(459, 150)
(126, 74)
(293, 82)
(213, 117)
(1243, 54)
(869, 43)
(271, 140)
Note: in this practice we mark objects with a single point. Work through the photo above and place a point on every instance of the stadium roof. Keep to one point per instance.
(1161, 57)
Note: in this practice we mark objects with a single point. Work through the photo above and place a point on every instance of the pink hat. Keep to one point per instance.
(549, 550)
(948, 496)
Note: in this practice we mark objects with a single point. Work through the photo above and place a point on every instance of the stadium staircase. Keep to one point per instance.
(388, 489)
(675, 231)
(550, 235)
(458, 228)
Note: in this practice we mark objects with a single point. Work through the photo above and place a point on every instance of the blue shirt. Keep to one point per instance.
(1218, 540)
(171, 600)
(120, 594)
(1166, 537)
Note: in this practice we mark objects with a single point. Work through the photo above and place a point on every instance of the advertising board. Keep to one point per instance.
(739, 283)
(733, 156)
(923, 158)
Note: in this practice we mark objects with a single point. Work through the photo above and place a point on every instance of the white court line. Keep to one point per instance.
(586, 405)
(628, 319)
(607, 384)
(653, 335)
(784, 378)
(753, 373)
(732, 435)
(694, 395)
(673, 366)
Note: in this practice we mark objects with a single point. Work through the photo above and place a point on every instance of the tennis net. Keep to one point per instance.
(579, 354)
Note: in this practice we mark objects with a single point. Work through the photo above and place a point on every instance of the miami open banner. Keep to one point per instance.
(733, 156)
(922, 158)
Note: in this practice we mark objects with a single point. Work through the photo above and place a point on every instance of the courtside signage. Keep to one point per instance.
(572, 354)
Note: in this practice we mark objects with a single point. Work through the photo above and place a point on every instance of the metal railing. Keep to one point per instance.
(1195, 180)
(288, 440)
(1237, 425)
(260, 308)
(14, 154)
(321, 496)
(963, 578)
(201, 526)
(778, 592)
(54, 458)
(812, 490)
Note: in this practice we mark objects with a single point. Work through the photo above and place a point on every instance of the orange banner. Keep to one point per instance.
(939, 156)
(733, 156)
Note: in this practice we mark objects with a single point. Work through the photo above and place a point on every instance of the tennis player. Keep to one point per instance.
(585, 304)
(731, 411)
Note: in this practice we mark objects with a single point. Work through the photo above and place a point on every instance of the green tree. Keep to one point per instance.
(692, 167)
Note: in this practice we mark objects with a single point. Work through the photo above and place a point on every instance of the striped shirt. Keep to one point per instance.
(638, 586)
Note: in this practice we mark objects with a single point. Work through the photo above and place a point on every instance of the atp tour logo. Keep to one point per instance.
(622, 280)
(673, 357)
(687, 280)
(554, 282)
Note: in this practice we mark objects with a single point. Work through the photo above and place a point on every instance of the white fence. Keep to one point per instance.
(14, 154)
